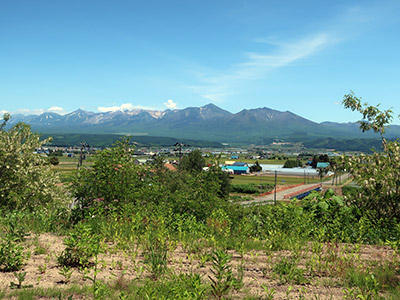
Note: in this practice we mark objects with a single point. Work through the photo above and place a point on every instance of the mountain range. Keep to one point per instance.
(209, 122)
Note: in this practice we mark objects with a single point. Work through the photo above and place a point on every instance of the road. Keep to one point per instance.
(340, 180)
(280, 194)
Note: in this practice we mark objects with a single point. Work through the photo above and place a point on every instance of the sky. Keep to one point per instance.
(288, 55)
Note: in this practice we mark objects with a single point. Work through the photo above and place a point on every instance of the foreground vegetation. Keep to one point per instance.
(134, 232)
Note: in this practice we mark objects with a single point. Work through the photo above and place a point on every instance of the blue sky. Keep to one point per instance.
(301, 56)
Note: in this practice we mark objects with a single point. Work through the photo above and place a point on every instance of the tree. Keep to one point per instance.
(194, 162)
(255, 167)
(322, 172)
(377, 174)
(112, 181)
(54, 160)
(26, 179)
(292, 163)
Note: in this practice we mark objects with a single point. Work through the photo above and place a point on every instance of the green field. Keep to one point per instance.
(243, 179)
(260, 161)
(67, 167)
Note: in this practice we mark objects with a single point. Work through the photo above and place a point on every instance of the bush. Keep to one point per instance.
(80, 246)
(251, 188)
(11, 255)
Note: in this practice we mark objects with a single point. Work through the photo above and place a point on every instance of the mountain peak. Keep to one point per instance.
(80, 111)
(210, 105)
(213, 110)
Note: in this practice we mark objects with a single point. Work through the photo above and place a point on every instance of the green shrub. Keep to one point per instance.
(289, 272)
(54, 160)
(11, 255)
(11, 250)
(155, 257)
(183, 286)
(80, 246)
(251, 188)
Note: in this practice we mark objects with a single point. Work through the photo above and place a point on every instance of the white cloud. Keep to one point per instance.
(171, 104)
(122, 107)
(28, 111)
(38, 111)
(3, 112)
(56, 109)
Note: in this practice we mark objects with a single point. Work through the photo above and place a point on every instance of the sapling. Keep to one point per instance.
(222, 278)
(42, 268)
(21, 278)
(66, 272)
(98, 288)
(156, 257)
(270, 293)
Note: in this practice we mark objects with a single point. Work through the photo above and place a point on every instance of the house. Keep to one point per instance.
(140, 161)
(322, 165)
(236, 169)
(170, 166)
(143, 161)
(234, 156)
(240, 164)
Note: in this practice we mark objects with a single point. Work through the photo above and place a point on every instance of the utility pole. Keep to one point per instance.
(275, 188)
(179, 147)
(83, 146)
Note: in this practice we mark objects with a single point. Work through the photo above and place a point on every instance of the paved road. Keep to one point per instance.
(280, 195)
(342, 179)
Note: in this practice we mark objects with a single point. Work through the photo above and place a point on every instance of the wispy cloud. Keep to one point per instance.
(122, 107)
(288, 52)
(257, 64)
(171, 104)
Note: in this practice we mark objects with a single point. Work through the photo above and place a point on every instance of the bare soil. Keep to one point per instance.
(118, 267)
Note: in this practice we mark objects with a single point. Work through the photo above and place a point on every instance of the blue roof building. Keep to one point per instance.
(240, 164)
(321, 165)
(237, 169)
